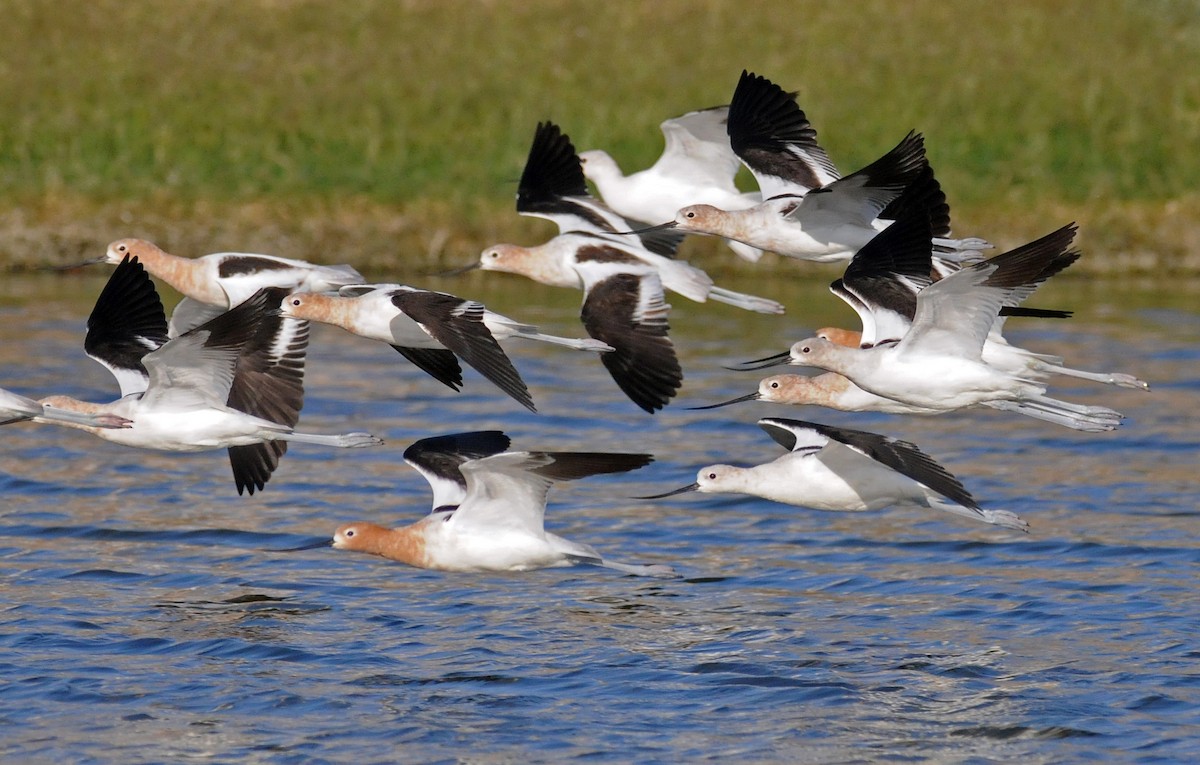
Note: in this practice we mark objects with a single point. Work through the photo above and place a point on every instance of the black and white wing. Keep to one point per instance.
(771, 135)
(458, 324)
(127, 322)
(554, 187)
(508, 491)
(439, 459)
(268, 382)
(624, 307)
(864, 194)
(902, 456)
(883, 278)
(955, 314)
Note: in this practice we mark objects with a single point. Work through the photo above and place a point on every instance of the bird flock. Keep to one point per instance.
(226, 370)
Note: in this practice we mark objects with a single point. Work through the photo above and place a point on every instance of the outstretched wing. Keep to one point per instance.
(127, 322)
(268, 382)
(697, 149)
(508, 491)
(439, 459)
(902, 456)
(955, 314)
(554, 187)
(458, 324)
(772, 136)
(625, 308)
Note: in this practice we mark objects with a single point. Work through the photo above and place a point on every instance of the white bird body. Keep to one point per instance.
(651, 194)
(938, 362)
(818, 481)
(556, 262)
(930, 379)
(697, 166)
(775, 225)
(489, 509)
(172, 423)
(212, 387)
(226, 279)
(431, 329)
(844, 470)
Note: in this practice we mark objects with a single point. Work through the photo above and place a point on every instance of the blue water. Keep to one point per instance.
(142, 620)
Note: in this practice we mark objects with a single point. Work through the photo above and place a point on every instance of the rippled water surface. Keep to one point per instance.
(143, 621)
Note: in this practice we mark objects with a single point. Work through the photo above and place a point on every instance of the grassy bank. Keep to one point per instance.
(390, 134)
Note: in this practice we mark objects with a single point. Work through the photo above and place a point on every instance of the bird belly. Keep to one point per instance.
(195, 431)
(493, 551)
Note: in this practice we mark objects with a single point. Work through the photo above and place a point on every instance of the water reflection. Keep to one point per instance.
(145, 623)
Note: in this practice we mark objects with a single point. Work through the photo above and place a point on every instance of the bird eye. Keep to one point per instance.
(122, 248)
(295, 301)
(691, 215)
(493, 255)
(806, 349)
(348, 533)
(712, 476)
(774, 385)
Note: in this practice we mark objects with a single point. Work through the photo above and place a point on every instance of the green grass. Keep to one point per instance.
(393, 132)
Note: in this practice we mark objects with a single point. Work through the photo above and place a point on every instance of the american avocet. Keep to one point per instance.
(697, 166)
(830, 468)
(552, 186)
(430, 329)
(491, 512)
(881, 284)
(194, 392)
(825, 225)
(215, 283)
(808, 210)
(833, 391)
(17, 408)
(937, 363)
(623, 307)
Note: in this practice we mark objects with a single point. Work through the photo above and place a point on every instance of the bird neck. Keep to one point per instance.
(189, 276)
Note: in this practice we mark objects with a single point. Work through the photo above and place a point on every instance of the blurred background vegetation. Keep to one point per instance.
(390, 134)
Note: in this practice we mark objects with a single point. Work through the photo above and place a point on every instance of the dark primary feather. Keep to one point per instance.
(552, 171)
(458, 325)
(440, 453)
(1039, 313)
(903, 248)
(924, 193)
(441, 457)
(764, 120)
(568, 466)
(889, 175)
(128, 320)
(439, 363)
(643, 362)
(269, 386)
(902, 456)
(1031, 263)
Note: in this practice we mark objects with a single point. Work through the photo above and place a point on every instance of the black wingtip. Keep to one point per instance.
(552, 170)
